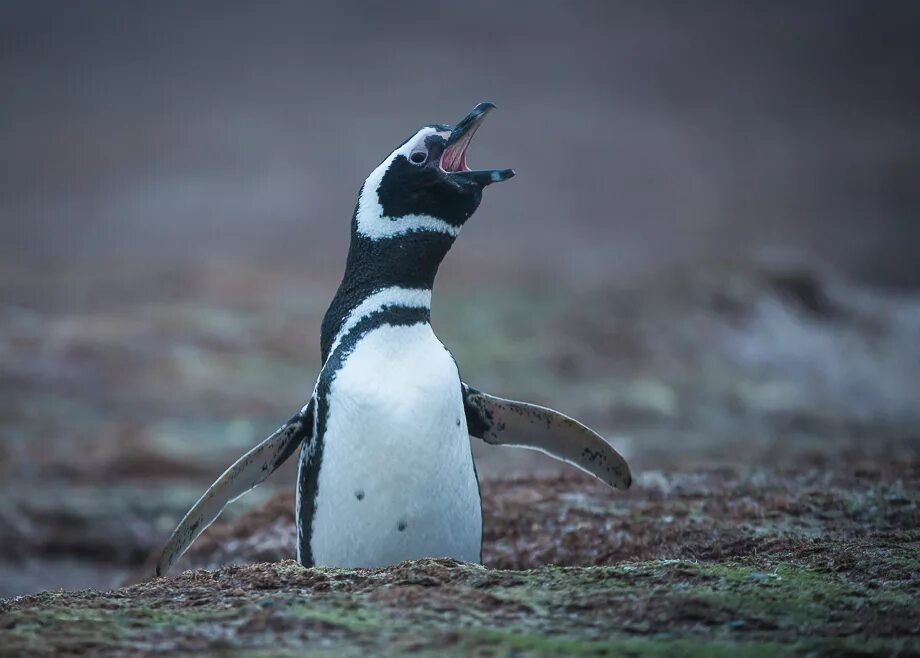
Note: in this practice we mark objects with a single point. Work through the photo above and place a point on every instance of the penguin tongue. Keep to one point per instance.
(454, 156)
(453, 159)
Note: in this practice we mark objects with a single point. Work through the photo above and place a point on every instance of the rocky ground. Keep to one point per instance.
(769, 415)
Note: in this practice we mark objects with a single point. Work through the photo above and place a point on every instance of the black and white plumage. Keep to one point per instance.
(386, 471)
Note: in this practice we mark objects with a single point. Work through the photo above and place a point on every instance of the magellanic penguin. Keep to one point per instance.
(386, 471)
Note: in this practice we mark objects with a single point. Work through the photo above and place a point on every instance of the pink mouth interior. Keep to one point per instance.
(454, 156)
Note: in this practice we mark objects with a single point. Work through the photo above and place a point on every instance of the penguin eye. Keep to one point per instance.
(418, 157)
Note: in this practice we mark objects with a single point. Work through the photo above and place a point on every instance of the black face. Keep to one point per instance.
(427, 176)
(415, 184)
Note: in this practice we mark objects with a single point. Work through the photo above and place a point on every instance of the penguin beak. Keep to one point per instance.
(453, 159)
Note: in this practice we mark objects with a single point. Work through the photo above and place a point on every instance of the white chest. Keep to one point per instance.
(396, 480)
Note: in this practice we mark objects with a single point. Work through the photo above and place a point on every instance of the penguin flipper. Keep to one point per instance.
(245, 474)
(506, 422)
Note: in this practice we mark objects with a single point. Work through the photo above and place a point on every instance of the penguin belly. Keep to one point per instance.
(396, 481)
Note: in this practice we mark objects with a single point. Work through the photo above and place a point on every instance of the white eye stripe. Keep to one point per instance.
(415, 143)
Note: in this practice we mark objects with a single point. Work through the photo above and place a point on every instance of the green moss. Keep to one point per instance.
(290, 568)
(28, 630)
(544, 646)
(357, 620)
(792, 597)
(652, 608)
(903, 559)
(338, 652)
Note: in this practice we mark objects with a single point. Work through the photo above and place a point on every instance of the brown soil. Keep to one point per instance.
(818, 560)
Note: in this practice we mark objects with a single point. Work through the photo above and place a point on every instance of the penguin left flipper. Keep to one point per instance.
(506, 422)
(246, 473)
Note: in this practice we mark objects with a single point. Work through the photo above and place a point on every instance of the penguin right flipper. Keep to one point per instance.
(245, 474)
(506, 422)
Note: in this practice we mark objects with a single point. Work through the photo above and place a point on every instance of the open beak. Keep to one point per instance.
(453, 159)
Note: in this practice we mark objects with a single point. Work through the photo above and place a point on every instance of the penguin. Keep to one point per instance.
(386, 471)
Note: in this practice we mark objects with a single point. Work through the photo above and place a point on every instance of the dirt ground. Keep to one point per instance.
(769, 415)
(819, 560)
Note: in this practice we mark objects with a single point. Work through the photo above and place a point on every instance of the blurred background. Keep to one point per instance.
(709, 252)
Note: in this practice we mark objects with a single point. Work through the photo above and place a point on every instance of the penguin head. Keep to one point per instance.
(425, 185)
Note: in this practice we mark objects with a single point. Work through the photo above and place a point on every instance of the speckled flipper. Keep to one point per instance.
(506, 422)
(248, 471)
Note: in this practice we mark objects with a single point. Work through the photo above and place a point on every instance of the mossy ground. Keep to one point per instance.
(441, 607)
(705, 564)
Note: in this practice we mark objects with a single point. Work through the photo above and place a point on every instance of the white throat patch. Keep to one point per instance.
(371, 221)
(393, 296)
